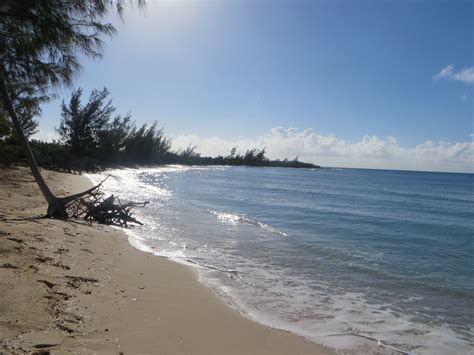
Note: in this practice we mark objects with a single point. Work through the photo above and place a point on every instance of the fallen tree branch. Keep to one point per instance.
(69, 199)
(92, 206)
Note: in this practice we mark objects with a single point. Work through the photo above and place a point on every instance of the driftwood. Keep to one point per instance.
(110, 210)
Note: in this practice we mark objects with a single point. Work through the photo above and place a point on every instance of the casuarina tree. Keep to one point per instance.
(40, 44)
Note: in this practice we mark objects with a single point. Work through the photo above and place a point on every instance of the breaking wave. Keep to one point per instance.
(233, 219)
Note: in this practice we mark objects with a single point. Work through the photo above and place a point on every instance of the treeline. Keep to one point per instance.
(252, 157)
(93, 136)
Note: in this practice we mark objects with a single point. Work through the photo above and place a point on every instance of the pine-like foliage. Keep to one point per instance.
(81, 124)
(41, 40)
(40, 43)
(89, 131)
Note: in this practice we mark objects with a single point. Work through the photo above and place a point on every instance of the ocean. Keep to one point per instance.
(365, 261)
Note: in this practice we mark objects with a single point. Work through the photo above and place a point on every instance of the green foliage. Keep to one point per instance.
(40, 44)
(92, 137)
(57, 156)
(10, 153)
(252, 157)
(50, 154)
(89, 131)
(113, 138)
(189, 156)
(81, 126)
(147, 144)
(27, 107)
(41, 40)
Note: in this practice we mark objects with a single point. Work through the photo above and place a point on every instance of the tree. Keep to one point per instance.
(147, 144)
(113, 139)
(189, 155)
(89, 131)
(26, 105)
(254, 157)
(39, 47)
(80, 126)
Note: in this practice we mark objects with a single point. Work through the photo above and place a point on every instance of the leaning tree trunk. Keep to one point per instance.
(56, 206)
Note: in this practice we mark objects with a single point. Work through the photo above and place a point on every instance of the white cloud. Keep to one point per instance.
(465, 75)
(328, 150)
(445, 72)
(44, 135)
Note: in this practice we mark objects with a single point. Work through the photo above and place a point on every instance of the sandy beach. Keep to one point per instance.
(74, 287)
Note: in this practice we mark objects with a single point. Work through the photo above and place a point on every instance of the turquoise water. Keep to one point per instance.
(322, 253)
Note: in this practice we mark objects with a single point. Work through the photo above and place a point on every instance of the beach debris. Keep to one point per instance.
(73, 318)
(8, 266)
(65, 328)
(61, 265)
(109, 210)
(13, 239)
(43, 259)
(62, 295)
(47, 259)
(34, 341)
(47, 283)
(77, 281)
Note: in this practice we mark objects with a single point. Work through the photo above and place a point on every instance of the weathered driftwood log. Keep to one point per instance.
(108, 210)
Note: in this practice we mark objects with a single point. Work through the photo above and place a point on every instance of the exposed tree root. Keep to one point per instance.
(92, 206)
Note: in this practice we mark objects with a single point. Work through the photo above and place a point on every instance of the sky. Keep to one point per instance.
(372, 84)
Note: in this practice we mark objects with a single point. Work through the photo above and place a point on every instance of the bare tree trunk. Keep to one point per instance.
(56, 208)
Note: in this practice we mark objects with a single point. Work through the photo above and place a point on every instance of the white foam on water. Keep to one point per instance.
(342, 321)
(233, 219)
(322, 314)
(227, 217)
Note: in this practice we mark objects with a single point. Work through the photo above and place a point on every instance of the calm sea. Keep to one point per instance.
(345, 257)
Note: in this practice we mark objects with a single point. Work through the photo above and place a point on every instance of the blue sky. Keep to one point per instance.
(345, 69)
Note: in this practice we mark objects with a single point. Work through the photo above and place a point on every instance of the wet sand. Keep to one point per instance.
(70, 286)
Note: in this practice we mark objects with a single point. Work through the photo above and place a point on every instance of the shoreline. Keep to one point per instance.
(73, 286)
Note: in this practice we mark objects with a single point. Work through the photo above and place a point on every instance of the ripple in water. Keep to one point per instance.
(375, 260)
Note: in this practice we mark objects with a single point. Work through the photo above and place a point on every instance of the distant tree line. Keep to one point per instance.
(93, 136)
(252, 157)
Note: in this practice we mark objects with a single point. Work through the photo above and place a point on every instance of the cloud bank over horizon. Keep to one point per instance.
(370, 152)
